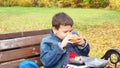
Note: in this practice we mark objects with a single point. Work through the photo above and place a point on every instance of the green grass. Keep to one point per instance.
(14, 19)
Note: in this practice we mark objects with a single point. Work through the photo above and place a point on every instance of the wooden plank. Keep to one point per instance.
(24, 34)
(10, 35)
(19, 53)
(15, 64)
(37, 32)
(20, 42)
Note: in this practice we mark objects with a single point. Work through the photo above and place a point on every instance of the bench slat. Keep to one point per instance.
(19, 53)
(24, 34)
(15, 64)
(14, 47)
(20, 42)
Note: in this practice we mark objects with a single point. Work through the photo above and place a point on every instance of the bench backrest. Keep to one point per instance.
(16, 47)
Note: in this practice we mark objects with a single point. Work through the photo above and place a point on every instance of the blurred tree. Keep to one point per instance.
(111, 4)
(114, 5)
(35, 3)
(85, 3)
(75, 3)
(44, 3)
(1, 3)
(99, 3)
(10, 3)
(117, 4)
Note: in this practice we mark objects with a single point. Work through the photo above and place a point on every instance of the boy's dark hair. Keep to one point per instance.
(61, 19)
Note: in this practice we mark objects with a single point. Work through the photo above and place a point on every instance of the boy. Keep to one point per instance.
(57, 48)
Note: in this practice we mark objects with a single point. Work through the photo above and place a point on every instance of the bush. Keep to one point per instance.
(69, 3)
(117, 3)
(44, 3)
(63, 3)
(25, 3)
(111, 4)
(60, 4)
(114, 5)
(75, 3)
(41, 3)
(103, 3)
(10, 2)
(85, 3)
(99, 3)
(1, 3)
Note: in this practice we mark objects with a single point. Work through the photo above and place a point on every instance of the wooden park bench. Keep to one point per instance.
(18, 46)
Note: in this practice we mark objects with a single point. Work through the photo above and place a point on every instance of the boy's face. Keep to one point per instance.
(63, 31)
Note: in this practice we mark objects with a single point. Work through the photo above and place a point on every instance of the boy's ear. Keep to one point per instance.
(54, 30)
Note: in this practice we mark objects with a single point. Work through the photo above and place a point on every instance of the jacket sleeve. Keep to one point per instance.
(50, 53)
(83, 50)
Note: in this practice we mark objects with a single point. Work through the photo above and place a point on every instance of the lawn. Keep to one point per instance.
(100, 27)
(14, 19)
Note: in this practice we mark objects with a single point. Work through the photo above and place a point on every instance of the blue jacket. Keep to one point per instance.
(52, 56)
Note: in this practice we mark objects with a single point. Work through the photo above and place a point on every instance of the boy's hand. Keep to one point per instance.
(80, 40)
(66, 41)
(77, 39)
